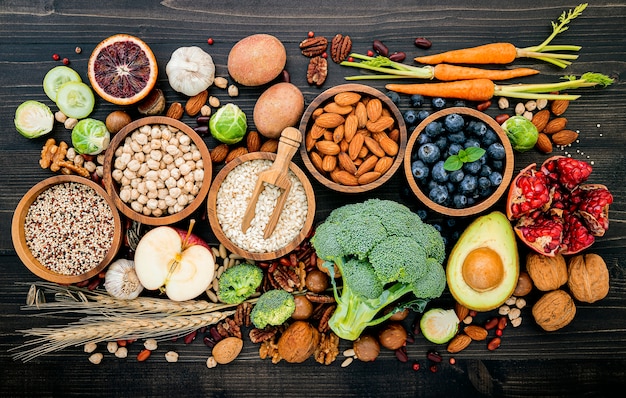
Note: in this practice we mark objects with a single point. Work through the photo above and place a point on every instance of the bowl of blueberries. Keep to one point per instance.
(458, 161)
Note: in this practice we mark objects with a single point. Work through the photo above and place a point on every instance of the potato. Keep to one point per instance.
(278, 107)
(256, 60)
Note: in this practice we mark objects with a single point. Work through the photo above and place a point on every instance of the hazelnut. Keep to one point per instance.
(399, 315)
(117, 120)
(316, 281)
(153, 104)
(304, 308)
(393, 336)
(366, 348)
(524, 285)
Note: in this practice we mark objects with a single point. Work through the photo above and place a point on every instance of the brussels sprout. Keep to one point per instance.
(90, 137)
(439, 326)
(33, 119)
(228, 124)
(521, 132)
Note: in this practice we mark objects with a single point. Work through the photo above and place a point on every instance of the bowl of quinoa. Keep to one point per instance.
(228, 199)
(66, 229)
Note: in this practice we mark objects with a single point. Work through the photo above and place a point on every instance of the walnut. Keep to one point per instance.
(588, 278)
(547, 273)
(317, 71)
(298, 342)
(554, 310)
(269, 349)
(328, 349)
(228, 328)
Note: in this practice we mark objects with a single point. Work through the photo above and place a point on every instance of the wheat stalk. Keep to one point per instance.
(105, 328)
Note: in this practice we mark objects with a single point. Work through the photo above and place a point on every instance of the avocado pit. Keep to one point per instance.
(483, 269)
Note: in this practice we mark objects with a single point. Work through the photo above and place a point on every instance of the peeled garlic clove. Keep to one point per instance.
(121, 280)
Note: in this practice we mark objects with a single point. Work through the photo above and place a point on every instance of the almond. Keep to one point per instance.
(236, 152)
(334, 107)
(329, 120)
(347, 98)
(269, 146)
(175, 111)
(350, 126)
(219, 153)
(558, 107)
(355, 146)
(195, 103)
(329, 163)
(476, 332)
(317, 131)
(316, 160)
(459, 343)
(374, 109)
(344, 178)
(368, 177)
(338, 133)
(555, 125)
(394, 135)
(461, 311)
(253, 141)
(368, 165)
(346, 163)
(564, 137)
(544, 144)
(227, 349)
(327, 147)
(382, 124)
(361, 114)
(388, 145)
(540, 119)
(309, 142)
(374, 146)
(383, 164)
(316, 113)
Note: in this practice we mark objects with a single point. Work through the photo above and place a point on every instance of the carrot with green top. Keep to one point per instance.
(505, 53)
(485, 89)
(443, 72)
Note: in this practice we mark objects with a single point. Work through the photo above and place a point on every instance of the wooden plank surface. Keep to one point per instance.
(584, 359)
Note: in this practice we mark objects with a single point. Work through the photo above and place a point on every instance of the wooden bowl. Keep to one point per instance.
(480, 206)
(19, 238)
(217, 228)
(113, 188)
(326, 97)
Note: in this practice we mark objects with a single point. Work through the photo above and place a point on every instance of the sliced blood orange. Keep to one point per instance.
(122, 69)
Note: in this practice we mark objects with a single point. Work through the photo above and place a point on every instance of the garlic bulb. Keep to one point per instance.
(121, 280)
(190, 70)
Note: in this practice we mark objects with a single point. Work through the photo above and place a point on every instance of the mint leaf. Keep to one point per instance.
(473, 153)
(467, 155)
(452, 163)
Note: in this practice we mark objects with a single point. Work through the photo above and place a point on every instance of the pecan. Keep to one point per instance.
(340, 47)
(242, 314)
(313, 46)
(317, 71)
(319, 298)
(323, 324)
(328, 349)
(260, 335)
(286, 278)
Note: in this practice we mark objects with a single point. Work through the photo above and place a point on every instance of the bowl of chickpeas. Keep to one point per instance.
(157, 170)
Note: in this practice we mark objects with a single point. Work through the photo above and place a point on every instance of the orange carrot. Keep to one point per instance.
(446, 72)
(470, 90)
(494, 53)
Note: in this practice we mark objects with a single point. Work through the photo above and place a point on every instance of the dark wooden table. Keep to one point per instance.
(584, 359)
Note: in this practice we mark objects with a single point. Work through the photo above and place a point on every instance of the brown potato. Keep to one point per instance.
(256, 60)
(278, 107)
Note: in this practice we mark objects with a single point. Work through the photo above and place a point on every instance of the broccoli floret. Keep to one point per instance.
(383, 251)
(274, 307)
(239, 282)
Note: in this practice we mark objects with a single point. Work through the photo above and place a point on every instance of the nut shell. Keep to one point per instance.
(588, 278)
(298, 342)
(547, 273)
(554, 310)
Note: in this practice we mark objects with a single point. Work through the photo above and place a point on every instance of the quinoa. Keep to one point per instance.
(69, 228)
(232, 200)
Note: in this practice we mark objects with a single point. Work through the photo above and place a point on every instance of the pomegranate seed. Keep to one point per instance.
(415, 366)
(473, 313)
(210, 41)
(324, 55)
(452, 361)
(499, 332)
(433, 368)
(56, 57)
(311, 34)
(370, 53)
(66, 61)
(350, 59)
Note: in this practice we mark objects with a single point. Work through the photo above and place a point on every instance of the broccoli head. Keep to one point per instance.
(383, 251)
(239, 282)
(273, 307)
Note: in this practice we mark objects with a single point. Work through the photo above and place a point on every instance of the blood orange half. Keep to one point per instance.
(122, 69)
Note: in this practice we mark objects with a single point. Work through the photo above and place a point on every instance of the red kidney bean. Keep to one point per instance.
(190, 337)
(491, 323)
(203, 120)
(143, 355)
(209, 342)
(483, 106)
(380, 48)
(285, 77)
(501, 118)
(202, 130)
(398, 56)
(502, 322)
(494, 343)
(401, 354)
(423, 42)
(434, 356)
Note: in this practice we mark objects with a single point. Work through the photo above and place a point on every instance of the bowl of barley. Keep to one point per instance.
(66, 229)
(157, 170)
(354, 138)
(228, 199)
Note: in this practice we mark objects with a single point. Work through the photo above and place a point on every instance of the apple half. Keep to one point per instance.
(175, 261)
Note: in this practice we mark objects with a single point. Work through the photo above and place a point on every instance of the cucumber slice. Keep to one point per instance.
(75, 99)
(33, 119)
(56, 77)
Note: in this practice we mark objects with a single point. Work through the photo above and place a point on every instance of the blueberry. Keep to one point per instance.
(428, 153)
(437, 227)
(484, 192)
(495, 178)
(454, 122)
(496, 151)
(394, 97)
(458, 138)
(471, 142)
(485, 171)
(420, 170)
(454, 148)
(442, 143)
(451, 222)
(433, 129)
(459, 201)
(422, 214)
(484, 183)
(451, 187)
(471, 201)
(438, 173)
(497, 165)
(438, 194)
(416, 100)
(422, 139)
(472, 167)
(438, 102)
(456, 176)
(423, 114)
(476, 128)
(489, 138)
(468, 184)
(410, 117)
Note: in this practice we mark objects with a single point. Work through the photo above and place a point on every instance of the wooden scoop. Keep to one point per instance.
(277, 175)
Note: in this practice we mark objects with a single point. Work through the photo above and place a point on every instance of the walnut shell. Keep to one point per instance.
(547, 273)
(588, 278)
(554, 310)
(298, 342)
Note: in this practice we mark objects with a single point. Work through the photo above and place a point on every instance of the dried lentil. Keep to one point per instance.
(69, 228)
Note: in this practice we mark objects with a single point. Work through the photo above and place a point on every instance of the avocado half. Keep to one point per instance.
(483, 266)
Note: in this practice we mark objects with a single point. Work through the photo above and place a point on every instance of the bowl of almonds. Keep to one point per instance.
(354, 138)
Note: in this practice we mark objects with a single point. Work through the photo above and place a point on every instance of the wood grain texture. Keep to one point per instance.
(584, 359)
